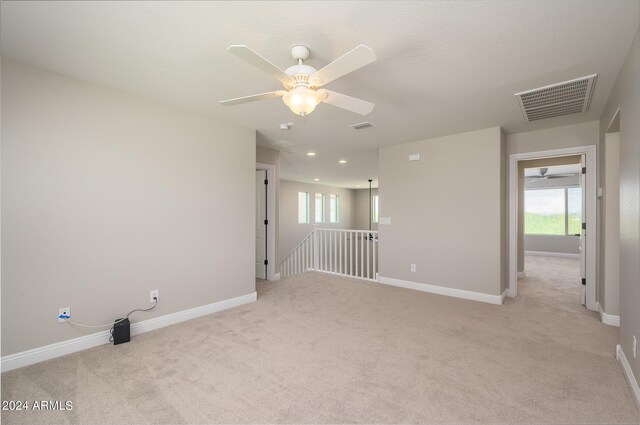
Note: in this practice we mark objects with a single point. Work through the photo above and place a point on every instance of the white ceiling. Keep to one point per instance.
(443, 67)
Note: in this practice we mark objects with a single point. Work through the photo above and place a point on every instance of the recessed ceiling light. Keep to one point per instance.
(343, 161)
(311, 154)
(316, 180)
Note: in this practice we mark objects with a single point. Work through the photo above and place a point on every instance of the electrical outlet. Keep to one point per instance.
(65, 311)
(154, 294)
(413, 268)
(635, 356)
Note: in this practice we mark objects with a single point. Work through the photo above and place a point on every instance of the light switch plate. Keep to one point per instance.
(414, 157)
(384, 220)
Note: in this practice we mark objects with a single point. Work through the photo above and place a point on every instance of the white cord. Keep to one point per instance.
(94, 326)
(117, 321)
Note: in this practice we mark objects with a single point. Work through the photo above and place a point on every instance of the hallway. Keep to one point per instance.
(555, 278)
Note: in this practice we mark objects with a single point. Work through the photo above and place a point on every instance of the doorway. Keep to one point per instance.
(262, 223)
(265, 231)
(582, 194)
(551, 212)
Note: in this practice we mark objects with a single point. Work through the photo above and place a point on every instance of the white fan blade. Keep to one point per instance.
(248, 55)
(349, 62)
(252, 98)
(561, 176)
(349, 103)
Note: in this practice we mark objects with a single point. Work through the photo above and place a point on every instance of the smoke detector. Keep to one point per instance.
(558, 99)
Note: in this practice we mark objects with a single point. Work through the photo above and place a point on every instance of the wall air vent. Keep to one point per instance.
(558, 99)
(361, 125)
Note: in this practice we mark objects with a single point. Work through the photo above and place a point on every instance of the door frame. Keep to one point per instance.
(591, 211)
(271, 216)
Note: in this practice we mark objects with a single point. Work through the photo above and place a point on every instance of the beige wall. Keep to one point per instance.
(552, 243)
(269, 156)
(291, 232)
(445, 216)
(106, 196)
(361, 209)
(610, 294)
(566, 136)
(504, 201)
(626, 96)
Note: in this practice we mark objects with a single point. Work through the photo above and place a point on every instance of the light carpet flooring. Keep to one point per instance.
(322, 349)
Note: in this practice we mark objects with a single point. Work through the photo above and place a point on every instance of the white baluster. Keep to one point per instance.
(362, 254)
(375, 256)
(340, 252)
(324, 251)
(345, 236)
(351, 253)
(368, 244)
(334, 246)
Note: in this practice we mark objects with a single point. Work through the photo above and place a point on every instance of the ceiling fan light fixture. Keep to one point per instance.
(302, 100)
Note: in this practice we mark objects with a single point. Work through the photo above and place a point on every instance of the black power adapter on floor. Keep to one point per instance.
(121, 331)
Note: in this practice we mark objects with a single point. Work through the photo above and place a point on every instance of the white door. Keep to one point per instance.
(261, 228)
(583, 235)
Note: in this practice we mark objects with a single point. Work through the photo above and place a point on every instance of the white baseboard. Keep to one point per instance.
(628, 372)
(36, 355)
(504, 295)
(552, 254)
(608, 319)
(442, 290)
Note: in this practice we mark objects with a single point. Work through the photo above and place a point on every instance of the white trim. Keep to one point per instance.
(552, 254)
(51, 351)
(271, 216)
(591, 211)
(628, 372)
(522, 275)
(442, 290)
(311, 269)
(611, 121)
(504, 295)
(608, 319)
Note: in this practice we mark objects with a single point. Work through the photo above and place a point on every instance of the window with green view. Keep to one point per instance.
(319, 211)
(556, 211)
(303, 207)
(334, 208)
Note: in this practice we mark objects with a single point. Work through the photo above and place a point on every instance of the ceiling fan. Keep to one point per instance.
(302, 82)
(543, 175)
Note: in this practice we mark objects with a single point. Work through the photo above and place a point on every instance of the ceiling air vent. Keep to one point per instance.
(361, 125)
(558, 99)
(283, 144)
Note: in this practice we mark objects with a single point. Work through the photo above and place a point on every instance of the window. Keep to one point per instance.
(374, 207)
(303, 207)
(320, 208)
(555, 211)
(334, 208)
